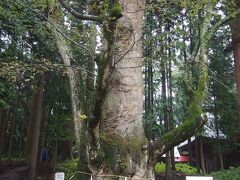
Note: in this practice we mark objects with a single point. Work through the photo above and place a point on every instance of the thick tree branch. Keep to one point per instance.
(193, 122)
(79, 15)
(175, 137)
(219, 24)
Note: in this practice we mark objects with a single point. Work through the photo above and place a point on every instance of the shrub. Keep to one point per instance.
(186, 168)
(231, 174)
(181, 167)
(160, 167)
(68, 167)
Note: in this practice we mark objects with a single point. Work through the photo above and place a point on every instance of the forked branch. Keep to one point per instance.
(79, 15)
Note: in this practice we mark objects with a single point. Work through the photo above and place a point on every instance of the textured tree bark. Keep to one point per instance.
(121, 131)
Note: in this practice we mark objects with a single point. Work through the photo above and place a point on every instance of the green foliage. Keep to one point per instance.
(116, 10)
(68, 167)
(14, 159)
(232, 173)
(184, 168)
(58, 128)
(160, 167)
(151, 127)
(222, 86)
(14, 71)
(83, 117)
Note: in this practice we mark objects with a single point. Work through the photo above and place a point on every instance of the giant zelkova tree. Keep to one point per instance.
(116, 142)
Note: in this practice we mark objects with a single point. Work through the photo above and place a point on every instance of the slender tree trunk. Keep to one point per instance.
(2, 131)
(13, 127)
(54, 157)
(190, 151)
(197, 158)
(146, 89)
(67, 150)
(27, 146)
(165, 114)
(36, 118)
(83, 164)
(1, 118)
(236, 53)
(74, 86)
(221, 160)
(216, 122)
(173, 163)
(170, 93)
(148, 75)
(168, 166)
(202, 160)
(73, 76)
(4, 120)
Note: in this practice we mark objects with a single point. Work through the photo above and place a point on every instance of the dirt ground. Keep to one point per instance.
(19, 171)
(16, 173)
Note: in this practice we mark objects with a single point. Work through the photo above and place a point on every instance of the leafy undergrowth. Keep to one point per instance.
(68, 167)
(180, 167)
(230, 174)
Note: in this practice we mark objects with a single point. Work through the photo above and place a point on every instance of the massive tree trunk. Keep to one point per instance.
(121, 131)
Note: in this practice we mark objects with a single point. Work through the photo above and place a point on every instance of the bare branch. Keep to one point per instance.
(79, 15)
